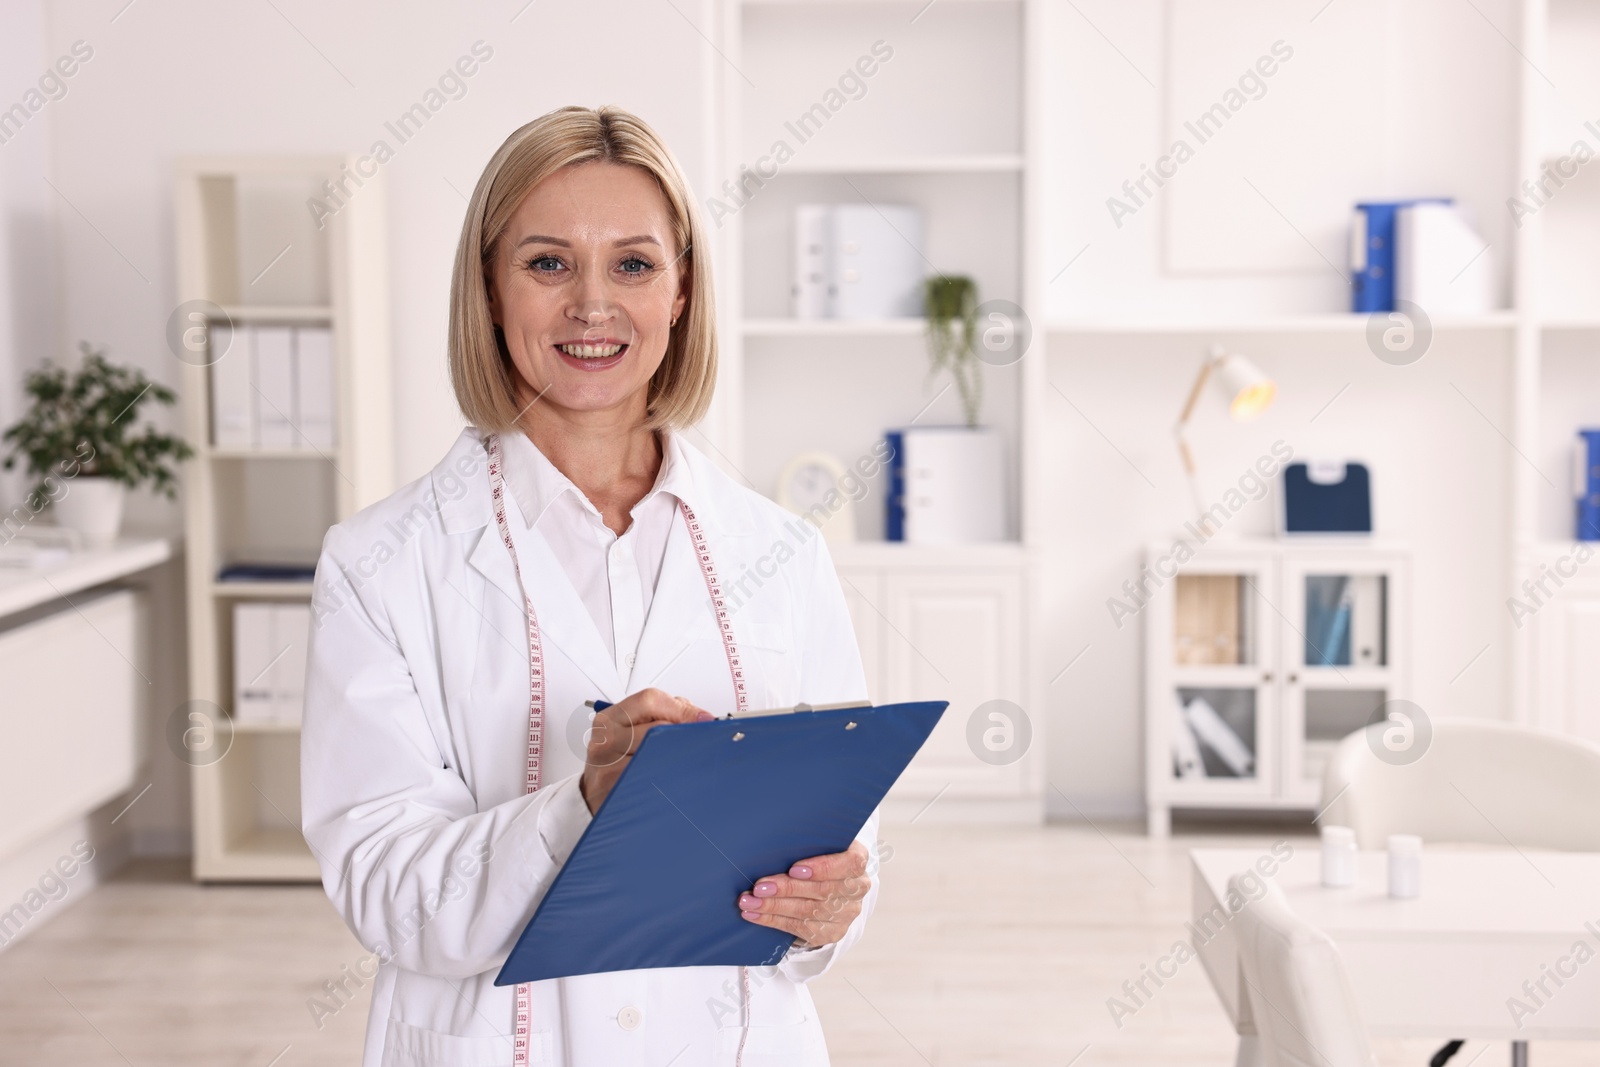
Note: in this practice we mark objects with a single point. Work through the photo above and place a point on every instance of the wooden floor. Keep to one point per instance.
(990, 946)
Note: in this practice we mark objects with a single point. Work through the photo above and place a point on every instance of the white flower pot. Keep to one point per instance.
(92, 506)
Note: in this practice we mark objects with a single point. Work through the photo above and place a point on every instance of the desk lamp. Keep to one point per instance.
(1249, 392)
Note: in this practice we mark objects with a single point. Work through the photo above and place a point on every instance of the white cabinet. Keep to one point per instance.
(76, 698)
(1559, 632)
(933, 626)
(1259, 657)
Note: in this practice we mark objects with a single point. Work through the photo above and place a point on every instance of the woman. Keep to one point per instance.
(571, 546)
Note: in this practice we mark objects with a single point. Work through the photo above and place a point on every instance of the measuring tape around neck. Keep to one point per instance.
(524, 1010)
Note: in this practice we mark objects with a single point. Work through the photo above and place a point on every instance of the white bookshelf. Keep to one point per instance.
(959, 149)
(234, 215)
(1556, 376)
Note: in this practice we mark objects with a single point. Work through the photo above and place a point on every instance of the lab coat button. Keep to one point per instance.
(629, 659)
(629, 1018)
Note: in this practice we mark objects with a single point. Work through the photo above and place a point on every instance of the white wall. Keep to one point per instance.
(27, 222)
(191, 77)
(174, 79)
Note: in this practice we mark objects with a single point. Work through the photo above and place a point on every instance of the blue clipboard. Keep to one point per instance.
(702, 811)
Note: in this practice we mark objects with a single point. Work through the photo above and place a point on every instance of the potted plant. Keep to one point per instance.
(950, 304)
(80, 440)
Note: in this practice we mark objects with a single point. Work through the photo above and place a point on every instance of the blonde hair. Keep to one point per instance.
(481, 371)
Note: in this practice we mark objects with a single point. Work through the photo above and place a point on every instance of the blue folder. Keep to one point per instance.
(701, 812)
(1372, 262)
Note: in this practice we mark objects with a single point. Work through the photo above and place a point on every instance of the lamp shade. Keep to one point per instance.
(1249, 391)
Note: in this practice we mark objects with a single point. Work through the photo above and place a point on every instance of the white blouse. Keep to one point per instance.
(615, 575)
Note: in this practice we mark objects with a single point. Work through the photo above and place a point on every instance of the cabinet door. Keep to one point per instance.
(1211, 717)
(1344, 655)
(863, 595)
(957, 637)
(1566, 669)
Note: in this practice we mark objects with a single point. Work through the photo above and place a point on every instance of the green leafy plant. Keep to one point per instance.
(88, 419)
(950, 304)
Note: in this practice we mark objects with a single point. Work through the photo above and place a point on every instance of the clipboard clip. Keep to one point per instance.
(601, 705)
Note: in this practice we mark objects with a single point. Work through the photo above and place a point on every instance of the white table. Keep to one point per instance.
(1445, 964)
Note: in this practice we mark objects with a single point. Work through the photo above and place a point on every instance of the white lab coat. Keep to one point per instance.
(413, 749)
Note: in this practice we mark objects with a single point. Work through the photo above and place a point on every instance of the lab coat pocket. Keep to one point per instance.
(773, 670)
(790, 1045)
(412, 1046)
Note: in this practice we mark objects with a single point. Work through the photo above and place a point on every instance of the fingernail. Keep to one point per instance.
(766, 889)
(704, 716)
(751, 916)
(800, 870)
(749, 903)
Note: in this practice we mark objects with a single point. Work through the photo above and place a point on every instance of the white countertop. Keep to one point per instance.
(22, 588)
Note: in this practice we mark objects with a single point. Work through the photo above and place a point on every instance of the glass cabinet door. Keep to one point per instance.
(1213, 620)
(1215, 733)
(1216, 721)
(1340, 658)
(1345, 620)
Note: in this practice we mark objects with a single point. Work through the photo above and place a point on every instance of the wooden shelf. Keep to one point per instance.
(1338, 323)
(833, 328)
(265, 590)
(1346, 678)
(315, 313)
(899, 554)
(265, 727)
(985, 163)
(1217, 675)
(268, 855)
(913, 4)
(212, 452)
(1570, 322)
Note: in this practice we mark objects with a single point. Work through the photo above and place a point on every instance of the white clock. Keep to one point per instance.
(809, 485)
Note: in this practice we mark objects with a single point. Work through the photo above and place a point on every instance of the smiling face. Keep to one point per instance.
(585, 284)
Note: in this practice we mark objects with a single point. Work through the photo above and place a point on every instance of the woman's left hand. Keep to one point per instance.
(816, 901)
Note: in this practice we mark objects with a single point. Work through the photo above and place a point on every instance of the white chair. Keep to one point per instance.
(1304, 1009)
(1490, 783)
(1477, 782)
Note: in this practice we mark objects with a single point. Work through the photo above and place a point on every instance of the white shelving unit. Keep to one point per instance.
(245, 247)
(1248, 628)
(1556, 380)
(948, 623)
(1015, 177)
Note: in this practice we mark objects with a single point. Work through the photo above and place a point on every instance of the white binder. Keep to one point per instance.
(313, 372)
(269, 661)
(253, 652)
(233, 398)
(877, 261)
(1441, 265)
(809, 296)
(273, 353)
(953, 478)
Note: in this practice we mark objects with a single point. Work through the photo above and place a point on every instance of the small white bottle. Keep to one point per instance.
(1405, 866)
(1338, 856)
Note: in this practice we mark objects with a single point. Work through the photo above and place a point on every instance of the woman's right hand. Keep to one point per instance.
(616, 732)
